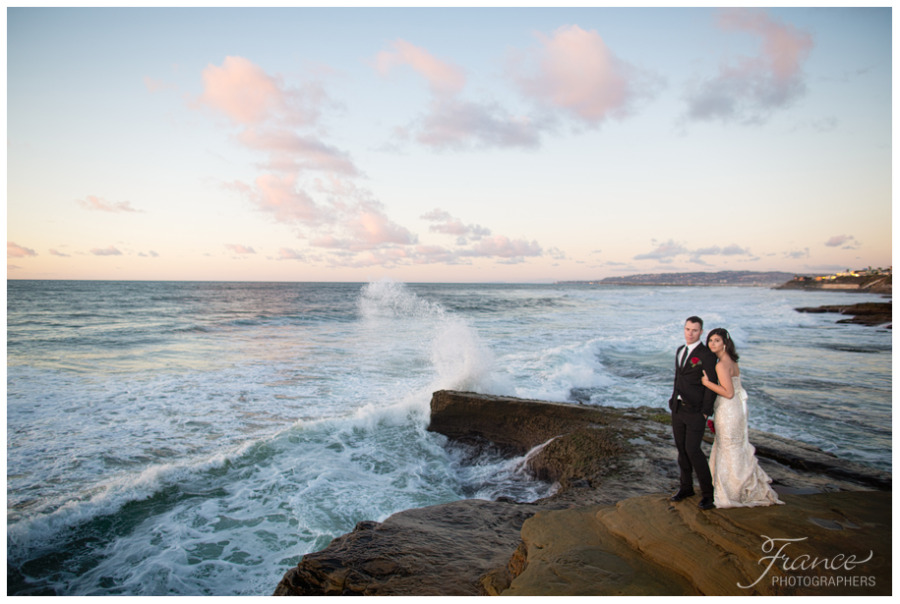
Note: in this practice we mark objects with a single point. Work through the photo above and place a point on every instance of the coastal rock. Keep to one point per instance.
(614, 469)
(436, 550)
(512, 424)
(826, 544)
(866, 313)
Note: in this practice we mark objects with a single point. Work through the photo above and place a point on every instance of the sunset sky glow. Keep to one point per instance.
(456, 145)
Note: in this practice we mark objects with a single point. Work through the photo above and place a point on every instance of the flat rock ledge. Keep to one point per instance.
(865, 313)
(609, 528)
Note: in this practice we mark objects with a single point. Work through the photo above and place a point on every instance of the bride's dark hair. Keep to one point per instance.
(726, 339)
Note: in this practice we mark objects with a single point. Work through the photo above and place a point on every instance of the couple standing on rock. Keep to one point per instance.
(707, 382)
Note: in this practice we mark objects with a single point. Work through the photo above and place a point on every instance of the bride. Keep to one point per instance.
(738, 481)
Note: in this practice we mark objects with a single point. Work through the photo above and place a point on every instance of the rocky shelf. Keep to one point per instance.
(865, 313)
(610, 529)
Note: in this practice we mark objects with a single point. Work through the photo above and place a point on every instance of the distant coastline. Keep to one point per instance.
(742, 278)
(865, 281)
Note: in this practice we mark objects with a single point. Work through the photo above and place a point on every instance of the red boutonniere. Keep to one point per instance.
(695, 361)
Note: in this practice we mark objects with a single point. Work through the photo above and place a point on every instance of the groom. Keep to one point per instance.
(691, 404)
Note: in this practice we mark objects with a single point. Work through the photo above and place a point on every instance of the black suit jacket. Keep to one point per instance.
(688, 385)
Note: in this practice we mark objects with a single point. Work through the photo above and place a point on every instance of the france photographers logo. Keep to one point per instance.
(839, 568)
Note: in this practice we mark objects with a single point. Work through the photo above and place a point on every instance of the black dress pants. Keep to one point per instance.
(688, 428)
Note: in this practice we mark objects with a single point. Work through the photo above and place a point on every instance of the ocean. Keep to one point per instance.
(177, 438)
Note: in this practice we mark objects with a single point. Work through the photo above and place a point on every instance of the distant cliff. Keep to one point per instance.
(742, 278)
(871, 284)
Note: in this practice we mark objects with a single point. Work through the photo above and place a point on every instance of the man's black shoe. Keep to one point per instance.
(706, 503)
(681, 494)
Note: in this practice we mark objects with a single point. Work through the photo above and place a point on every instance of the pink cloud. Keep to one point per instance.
(286, 253)
(329, 241)
(784, 47)
(290, 152)
(450, 121)
(576, 71)
(109, 251)
(92, 202)
(249, 96)
(14, 250)
(750, 88)
(442, 77)
(240, 249)
(370, 227)
(281, 196)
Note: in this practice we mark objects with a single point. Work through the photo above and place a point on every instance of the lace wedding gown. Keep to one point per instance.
(738, 481)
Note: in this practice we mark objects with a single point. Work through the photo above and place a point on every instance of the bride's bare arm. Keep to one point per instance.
(725, 387)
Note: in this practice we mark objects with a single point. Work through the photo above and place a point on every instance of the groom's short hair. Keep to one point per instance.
(695, 320)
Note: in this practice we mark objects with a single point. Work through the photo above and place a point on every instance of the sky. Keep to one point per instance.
(445, 144)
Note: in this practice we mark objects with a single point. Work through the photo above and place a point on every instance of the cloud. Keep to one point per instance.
(572, 71)
(92, 202)
(291, 152)
(730, 250)
(847, 241)
(575, 71)
(452, 122)
(109, 251)
(14, 250)
(669, 250)
(504, 247)
(289, 254)
(446, 224)
(370, 227)
(329, 210)
(750, 88)
(150, 254)
(457, 124)
(443, 78)
(796, 254)
(280, 196)
(664, 251)
(269, 114)
(249, 96)
(57, 253)
(240, 249)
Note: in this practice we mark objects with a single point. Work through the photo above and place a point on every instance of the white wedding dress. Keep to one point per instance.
(738, 481)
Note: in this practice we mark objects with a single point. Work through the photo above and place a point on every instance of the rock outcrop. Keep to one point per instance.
(609, 528)
(824, 544)
(866, 313)
(436, 550)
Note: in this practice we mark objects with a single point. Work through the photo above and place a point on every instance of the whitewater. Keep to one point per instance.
(174, 438)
